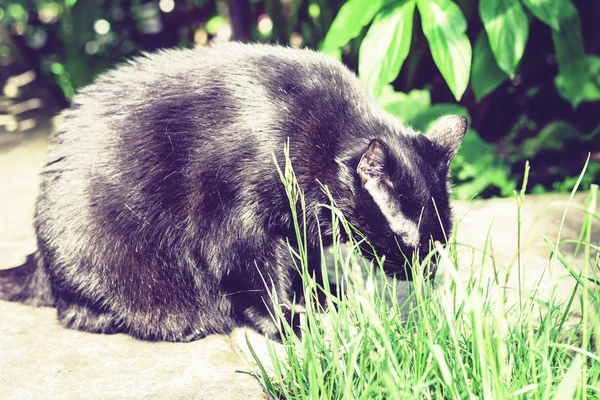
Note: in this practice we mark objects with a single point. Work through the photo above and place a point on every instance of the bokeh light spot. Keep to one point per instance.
(314, 10)
(166, 6)
(102, 27)
(17, 12)
(214, 24)
(265, 25)
(57, 68)
(48, 13)
(92, 47)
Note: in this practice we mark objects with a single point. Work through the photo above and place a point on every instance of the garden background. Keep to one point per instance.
(525, 72)
(513, 313)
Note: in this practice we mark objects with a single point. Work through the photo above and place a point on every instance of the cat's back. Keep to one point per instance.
(240, 71)
(233, 97)
(149, 134)
(256, 90)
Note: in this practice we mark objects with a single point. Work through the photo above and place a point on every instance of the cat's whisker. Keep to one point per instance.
(242, 292)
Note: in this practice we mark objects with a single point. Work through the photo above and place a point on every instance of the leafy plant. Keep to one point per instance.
(501, 43)
(387, 29)
(514, 66)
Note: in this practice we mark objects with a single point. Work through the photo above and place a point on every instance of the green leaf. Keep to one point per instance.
(386, 46)
(444, 26)
(485, 74)
(594, 67)
(405, 106)
(591, 89)
(591, 177)
(477, 166)
(547, 11)
(577, 78)
(552, 136)
(423, 120)
(474, 153)
(348, 23)
(507, 27)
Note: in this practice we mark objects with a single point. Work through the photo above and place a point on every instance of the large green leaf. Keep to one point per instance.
(507, 27)
(386, 46)
(547, 11)
(576, 80)
(591, 89)
(477, 166)
(423, 120)
(348, 23)
(485, 74)
(444, 26)
(405, 106)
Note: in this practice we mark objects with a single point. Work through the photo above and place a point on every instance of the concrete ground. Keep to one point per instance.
(40, 359)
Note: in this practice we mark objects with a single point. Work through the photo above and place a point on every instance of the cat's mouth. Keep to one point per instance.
(403, 265)
(430, 270)
(406, 271)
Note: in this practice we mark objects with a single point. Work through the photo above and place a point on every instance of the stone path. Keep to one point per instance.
(541, 216)
(40, 359)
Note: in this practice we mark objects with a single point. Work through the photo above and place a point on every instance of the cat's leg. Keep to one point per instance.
(175, 324)
(263, 294)
(151, 325)
(84, 316)
(183, 316)
(89, 319)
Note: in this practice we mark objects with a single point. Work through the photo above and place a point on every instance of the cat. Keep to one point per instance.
(161, 212)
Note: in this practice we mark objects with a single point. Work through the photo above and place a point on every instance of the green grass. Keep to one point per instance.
(454, 339)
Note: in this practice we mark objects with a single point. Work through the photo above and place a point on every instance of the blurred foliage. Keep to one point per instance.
(525, 72)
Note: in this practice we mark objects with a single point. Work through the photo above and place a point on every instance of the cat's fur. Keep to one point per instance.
(161, 212)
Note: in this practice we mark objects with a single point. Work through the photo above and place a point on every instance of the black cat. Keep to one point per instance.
(162, 214)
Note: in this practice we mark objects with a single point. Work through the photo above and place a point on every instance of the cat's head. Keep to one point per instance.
(403, 193)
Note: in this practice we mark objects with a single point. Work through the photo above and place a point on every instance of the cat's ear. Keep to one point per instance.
(447, 133)
(374, 162)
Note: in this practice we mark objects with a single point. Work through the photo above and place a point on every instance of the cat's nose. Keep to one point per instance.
(430, 270)
(427, 254)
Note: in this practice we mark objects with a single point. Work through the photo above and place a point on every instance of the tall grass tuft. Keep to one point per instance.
(374, 338)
